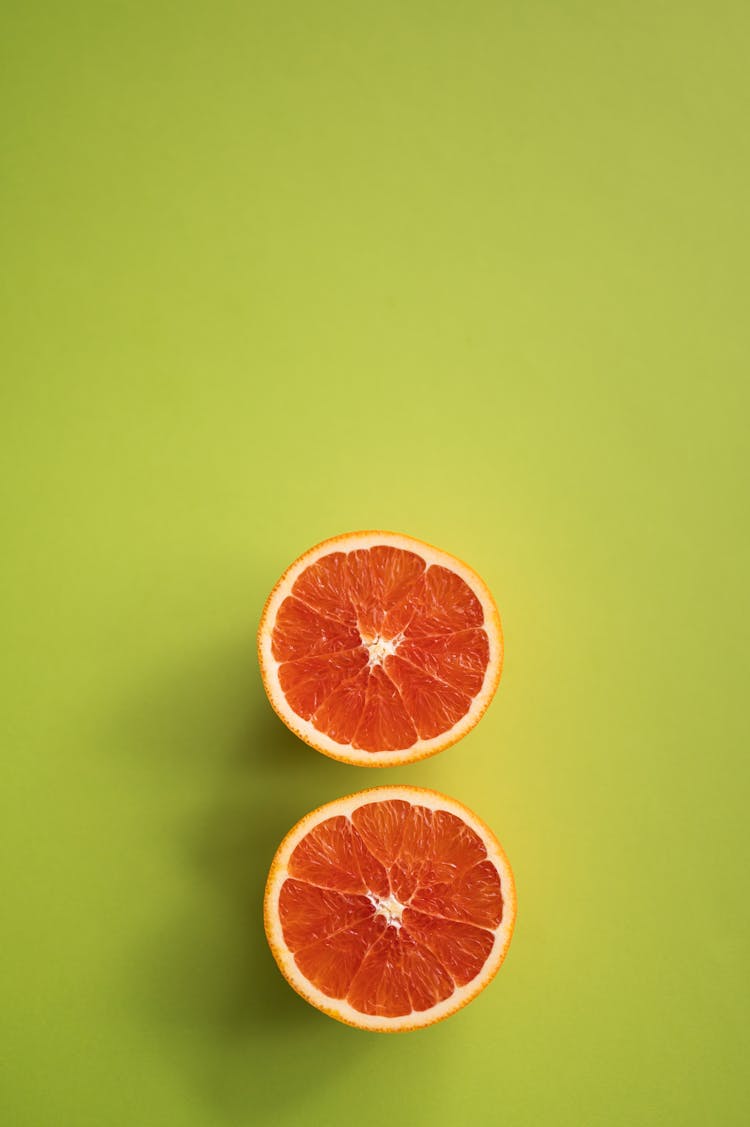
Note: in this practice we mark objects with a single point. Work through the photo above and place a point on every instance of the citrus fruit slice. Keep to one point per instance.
(378, 649)
(390, 909)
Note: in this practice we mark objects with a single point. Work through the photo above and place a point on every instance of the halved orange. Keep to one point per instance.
(378, 649)
(390, 909)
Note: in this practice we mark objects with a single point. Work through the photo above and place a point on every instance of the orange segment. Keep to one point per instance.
(302, 631)
(458, 659)
(446, 604)
(429, 982)
(308, 682)
(390, 909)
(470, 897)
(382, 827)
(332, 964)
(378, 649)
(340, 713)
(380, 579)
(324, 586)
(309, 913)
(384, 724)
(333, 856)
(462, 950)
(434, 706)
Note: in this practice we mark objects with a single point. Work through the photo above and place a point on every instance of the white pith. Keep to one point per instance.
(378, 649)
(389, 907)
(340, 1008)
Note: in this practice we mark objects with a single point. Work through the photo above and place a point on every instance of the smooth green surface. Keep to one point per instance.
(477, 272)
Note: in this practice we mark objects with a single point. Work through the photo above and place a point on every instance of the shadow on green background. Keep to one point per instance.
(204, 979)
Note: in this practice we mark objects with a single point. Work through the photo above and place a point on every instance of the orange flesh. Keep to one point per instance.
(378, 650)
(392, 909)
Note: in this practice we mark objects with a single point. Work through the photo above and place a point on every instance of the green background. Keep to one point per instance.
(476, 272)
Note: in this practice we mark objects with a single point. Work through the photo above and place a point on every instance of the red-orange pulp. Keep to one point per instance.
(392, 909)
(378, 649)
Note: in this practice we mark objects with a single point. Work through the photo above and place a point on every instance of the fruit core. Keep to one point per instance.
(379, 648)
(389, 907)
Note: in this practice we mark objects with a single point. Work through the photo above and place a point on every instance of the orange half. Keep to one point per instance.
(378, 649)
(390, 909)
